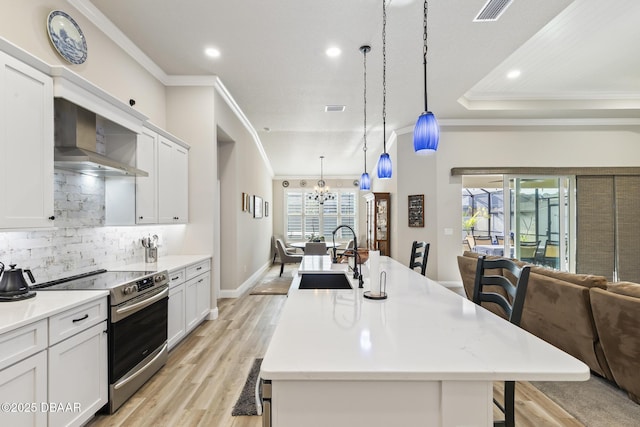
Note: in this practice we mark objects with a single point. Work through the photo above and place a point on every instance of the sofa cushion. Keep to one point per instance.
(586, 280)
(617, 319)
(559, 312)
(625, 288)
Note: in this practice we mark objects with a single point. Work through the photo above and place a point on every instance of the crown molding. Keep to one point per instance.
(98, 19)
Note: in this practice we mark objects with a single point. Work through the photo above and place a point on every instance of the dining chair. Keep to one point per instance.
(511, 302)
(551, 254)
(419, 255)
(286, 257)
(483, 240)
(471, 241)
(529, 251)
(346, 252)
(500, 240)
(315, 248)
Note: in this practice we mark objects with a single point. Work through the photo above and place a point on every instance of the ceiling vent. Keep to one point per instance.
(492, 10)
(334, 108)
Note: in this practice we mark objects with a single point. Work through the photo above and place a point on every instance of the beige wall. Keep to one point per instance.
(245, 241)
(107, 66)
(496, 147)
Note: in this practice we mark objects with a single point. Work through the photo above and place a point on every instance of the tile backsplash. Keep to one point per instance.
(79, 242)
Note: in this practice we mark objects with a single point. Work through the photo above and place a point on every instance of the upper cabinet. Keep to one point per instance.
(173, 182)
(26, 146)
(162, 197)
(147, 187)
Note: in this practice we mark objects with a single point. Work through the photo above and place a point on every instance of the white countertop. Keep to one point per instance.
(167, 262)
(45, 304)
(422, 331)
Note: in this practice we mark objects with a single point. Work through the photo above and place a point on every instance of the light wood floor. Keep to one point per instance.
(205, 374)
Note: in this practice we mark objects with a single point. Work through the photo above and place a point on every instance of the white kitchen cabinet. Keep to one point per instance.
(176, 326)
(162, 197)
(198, 293)
(23, 387)
(147, 186)
(26, 146)
(189, 299)
(83, 358)
(173, 182)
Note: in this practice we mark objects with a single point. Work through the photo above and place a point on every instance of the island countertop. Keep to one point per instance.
(421, 332)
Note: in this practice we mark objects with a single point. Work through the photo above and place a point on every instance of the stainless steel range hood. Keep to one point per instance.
(76, 146)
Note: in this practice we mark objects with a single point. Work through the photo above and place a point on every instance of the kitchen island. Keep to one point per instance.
(423, 356)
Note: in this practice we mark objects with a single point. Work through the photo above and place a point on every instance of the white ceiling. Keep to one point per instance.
(578, 59)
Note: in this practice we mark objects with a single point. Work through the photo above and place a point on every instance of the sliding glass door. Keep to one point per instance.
(540, 209)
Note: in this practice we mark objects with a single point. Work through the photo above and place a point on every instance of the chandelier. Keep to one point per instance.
(321, 190)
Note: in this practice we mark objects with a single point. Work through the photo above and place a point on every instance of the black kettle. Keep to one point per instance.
(13, 286)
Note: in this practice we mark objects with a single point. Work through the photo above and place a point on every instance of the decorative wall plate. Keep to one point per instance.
(67, 37)
(285, 184)
(303, 183)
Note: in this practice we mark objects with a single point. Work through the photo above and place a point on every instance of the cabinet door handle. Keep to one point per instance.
(86, 316)
(52, 217)
(175, 278)
(199, 268)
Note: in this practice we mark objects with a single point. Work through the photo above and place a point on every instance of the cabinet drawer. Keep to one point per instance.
(22, 343)
(77, 319)
(199, 268)
(176, 277)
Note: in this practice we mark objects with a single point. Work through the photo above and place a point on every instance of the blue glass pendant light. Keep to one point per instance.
(365, 181)
(384, 163)
(426, 134)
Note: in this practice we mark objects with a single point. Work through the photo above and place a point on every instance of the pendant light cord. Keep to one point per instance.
(365, 49)
(384, 76)
(424, 53)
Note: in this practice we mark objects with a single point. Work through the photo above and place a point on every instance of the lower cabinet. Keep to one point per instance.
(198, 292)
(53, 372)
(78, 382)
(189, 299)
(23, 389)
(176, 326)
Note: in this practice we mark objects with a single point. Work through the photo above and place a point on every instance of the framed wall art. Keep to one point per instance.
(416, 210)
(245, 202)
(266, 209)
(257, 207)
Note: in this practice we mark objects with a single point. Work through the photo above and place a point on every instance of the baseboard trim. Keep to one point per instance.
(213, 314)
(246, 285)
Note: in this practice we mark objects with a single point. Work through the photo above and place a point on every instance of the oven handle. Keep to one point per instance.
(141, 370)
(143, 303)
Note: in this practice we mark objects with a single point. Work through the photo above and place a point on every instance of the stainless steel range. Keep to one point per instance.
(138, 302)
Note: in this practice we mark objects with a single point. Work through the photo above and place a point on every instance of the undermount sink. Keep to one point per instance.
(324, 281)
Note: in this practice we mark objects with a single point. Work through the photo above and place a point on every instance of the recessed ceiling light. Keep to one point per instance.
(332, 52)
(513, 74)
(212, 52)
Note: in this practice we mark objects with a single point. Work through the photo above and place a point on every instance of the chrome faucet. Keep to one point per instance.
(356, 274)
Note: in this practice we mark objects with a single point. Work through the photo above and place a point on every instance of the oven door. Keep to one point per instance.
(138, 334)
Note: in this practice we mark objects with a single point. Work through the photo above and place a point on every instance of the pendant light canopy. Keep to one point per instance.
(384, 162)
(365, 181)
(426, 134)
